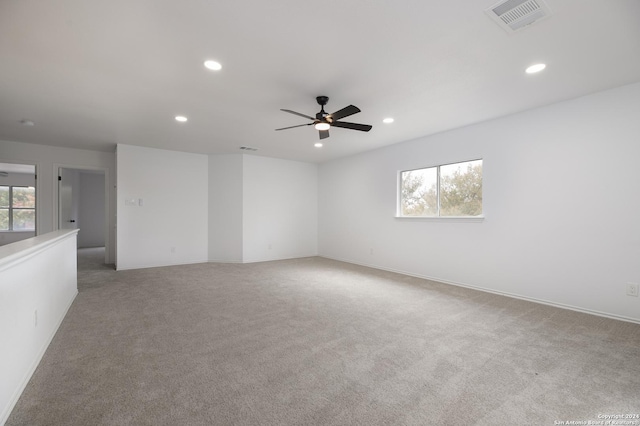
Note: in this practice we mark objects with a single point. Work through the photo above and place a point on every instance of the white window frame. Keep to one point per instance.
(437, 218)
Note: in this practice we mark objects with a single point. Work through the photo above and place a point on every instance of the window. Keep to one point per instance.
(17, 208)
(450, 190)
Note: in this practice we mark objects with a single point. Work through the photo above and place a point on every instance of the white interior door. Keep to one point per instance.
(66, 214)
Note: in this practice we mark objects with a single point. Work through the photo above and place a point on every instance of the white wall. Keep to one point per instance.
(17, 179)
(171, 225)
(261, 209)
(38, 283)
(294, 190)
(280, 209)
(91, 210)
(47, 159)
(561, 187)
(225, 208)
(12, 237)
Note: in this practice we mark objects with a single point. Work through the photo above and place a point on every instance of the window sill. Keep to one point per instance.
(469, 219)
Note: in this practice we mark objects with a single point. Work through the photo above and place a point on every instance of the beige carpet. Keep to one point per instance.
(318, 342)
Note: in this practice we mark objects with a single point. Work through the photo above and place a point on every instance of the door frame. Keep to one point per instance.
(56, 202)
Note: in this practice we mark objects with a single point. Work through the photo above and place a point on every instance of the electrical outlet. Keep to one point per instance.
(632, 289)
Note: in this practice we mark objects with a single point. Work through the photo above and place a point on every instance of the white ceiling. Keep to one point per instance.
(91, 74)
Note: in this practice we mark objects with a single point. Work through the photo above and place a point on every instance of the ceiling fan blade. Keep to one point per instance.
(297, 113)
(344, 112)
(323, 134)
(291, 127)
(352, 126)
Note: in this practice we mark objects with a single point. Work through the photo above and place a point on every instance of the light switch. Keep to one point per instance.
(130, 202)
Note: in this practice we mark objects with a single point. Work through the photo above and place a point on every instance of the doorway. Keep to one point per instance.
(82, 204)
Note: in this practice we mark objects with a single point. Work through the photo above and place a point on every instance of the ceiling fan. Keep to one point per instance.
(324, 121)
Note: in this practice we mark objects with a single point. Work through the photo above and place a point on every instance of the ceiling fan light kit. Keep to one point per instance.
(213, 65)
(324, 121)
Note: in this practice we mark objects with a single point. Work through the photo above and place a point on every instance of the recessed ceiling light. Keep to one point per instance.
(535, 68)
(181, 118)
(388, 120)
(318, 144)
(213, 65)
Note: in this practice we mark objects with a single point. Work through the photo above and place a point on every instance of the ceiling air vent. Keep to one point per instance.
(248, 148)
(513, 15)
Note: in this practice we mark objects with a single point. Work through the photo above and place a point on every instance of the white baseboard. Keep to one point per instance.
(259, 260)
(161, 264)
(275, 259)
(501, 293)
(25, 380)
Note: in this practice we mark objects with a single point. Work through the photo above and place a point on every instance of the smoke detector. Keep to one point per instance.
(514, 15)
